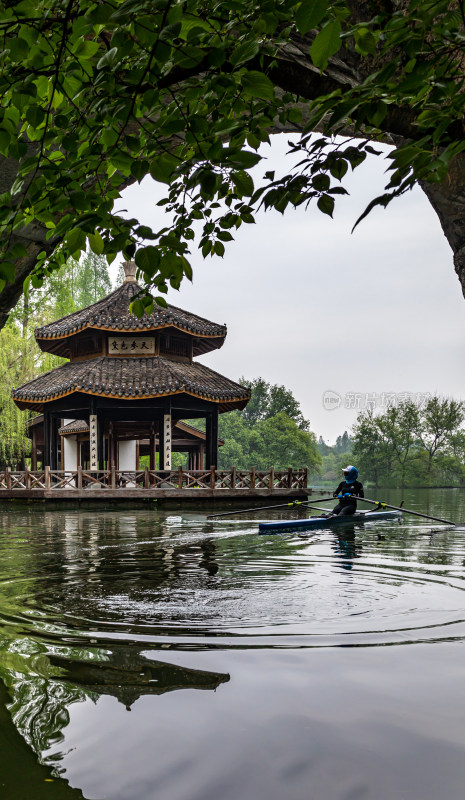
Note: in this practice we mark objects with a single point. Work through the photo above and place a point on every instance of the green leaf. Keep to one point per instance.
(326, 44)
(109, 136)
(96, 243)
(383, 201)
(85, 49)
(339, 168)
(243, 183)
(243, 159)
(321, 182)
(216, 56)
(170, 31)
(4, 141)
(365, 42)
(19, 49)
(162, 168)
(137, 308)
(187, 268)
(35, 115)
(309, 14)
(36, 281)
(376, 113)
(257, 84)
(148, 259)
(245, 52)
(326, 204)
(109, 59)
(218, 248)
(208, 184)
(139, 169)
(7, 270)
(76, 240)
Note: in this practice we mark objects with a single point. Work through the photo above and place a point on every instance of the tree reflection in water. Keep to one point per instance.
(44, 682)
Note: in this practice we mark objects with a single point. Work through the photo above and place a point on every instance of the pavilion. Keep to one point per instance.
(128, 387)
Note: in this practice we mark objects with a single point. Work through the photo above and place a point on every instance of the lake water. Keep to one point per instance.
(151, 654)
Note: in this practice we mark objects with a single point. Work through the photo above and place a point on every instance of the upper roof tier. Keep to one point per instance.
(112, 314)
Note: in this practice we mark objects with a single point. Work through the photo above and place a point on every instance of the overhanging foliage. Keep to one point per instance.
(96, 95)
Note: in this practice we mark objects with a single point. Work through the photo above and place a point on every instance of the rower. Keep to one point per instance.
(349, 486)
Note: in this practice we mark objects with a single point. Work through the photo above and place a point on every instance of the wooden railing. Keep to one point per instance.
(81, 479)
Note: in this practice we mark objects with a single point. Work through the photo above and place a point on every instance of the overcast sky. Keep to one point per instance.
(309, 305)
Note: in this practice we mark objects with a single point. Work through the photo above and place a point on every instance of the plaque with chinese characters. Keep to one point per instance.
(167, 440)
(93, 441)
(131, 345)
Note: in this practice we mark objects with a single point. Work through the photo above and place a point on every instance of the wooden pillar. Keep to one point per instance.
(161, 445)
(211, 440)
(115, 445)
(34, 450)
(201, 464)
(46, 451)
(215, 438)
(111, 447)
(153, 447)
(54, 423)
(208, 441)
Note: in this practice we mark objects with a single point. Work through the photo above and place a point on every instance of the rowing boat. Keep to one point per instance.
(324, 522)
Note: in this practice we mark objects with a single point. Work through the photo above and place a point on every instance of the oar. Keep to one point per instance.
(405, 510)
(265, 508)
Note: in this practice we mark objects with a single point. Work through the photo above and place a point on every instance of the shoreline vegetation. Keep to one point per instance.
(406, 445)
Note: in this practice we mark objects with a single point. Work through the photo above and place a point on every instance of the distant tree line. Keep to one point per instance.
(270, 432)
(333, 459)
(411, 446)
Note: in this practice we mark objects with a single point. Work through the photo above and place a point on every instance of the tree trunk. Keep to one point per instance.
(448, 201)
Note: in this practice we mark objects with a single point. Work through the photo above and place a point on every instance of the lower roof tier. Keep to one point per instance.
(130, 379)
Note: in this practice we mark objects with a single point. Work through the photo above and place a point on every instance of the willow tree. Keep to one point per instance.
(16, 365)
(96, 95)
(76, 285)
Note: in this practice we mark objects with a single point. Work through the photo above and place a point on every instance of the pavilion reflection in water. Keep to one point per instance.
(127, 674)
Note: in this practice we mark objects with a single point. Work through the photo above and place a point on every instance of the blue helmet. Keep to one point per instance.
(350, 473)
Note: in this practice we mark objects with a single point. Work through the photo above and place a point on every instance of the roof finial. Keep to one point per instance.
(129, 271)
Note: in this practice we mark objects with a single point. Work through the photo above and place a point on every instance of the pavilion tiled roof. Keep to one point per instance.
(128, 378)
(112, 314)
(76, 426)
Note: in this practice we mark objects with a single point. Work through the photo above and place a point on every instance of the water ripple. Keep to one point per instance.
(181, 581)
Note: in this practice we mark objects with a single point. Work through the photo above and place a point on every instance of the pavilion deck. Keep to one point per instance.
(131, 485)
